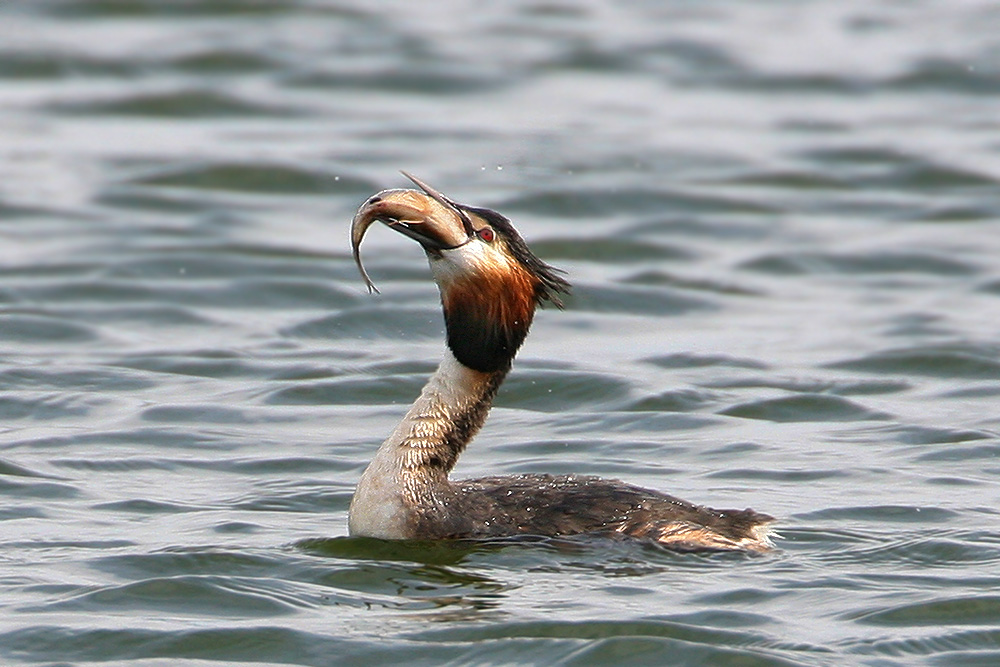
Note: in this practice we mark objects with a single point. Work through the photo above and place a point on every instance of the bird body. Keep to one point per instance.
(491, 284)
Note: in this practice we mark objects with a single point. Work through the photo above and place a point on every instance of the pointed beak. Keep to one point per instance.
(435, 222)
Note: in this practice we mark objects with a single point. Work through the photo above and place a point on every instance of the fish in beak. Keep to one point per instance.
(428, 217)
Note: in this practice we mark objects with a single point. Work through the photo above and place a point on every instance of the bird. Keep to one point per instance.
(490, 285)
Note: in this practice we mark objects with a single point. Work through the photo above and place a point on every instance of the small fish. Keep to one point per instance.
(364, 219)
(374, 210)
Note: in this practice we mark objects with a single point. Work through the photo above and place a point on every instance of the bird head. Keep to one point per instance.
(490, 281)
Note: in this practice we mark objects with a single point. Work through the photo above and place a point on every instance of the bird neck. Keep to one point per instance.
(449, 412)
(414, 461)
(488, 303)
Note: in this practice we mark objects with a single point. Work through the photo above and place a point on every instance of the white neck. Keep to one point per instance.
(412, 465)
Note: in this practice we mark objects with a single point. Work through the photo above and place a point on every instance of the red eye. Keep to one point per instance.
(487, 234)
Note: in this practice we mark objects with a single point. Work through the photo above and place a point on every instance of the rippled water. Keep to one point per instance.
(781, 223)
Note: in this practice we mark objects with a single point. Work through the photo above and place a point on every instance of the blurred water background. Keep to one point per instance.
(781, 220)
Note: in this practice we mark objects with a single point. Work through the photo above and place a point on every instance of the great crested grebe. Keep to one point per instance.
(490, 284)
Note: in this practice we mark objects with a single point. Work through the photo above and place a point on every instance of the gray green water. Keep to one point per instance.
(783, 223)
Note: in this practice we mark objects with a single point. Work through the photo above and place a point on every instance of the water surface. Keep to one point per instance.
(781, 223)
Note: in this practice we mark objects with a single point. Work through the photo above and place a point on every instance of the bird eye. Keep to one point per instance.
(487, 234)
